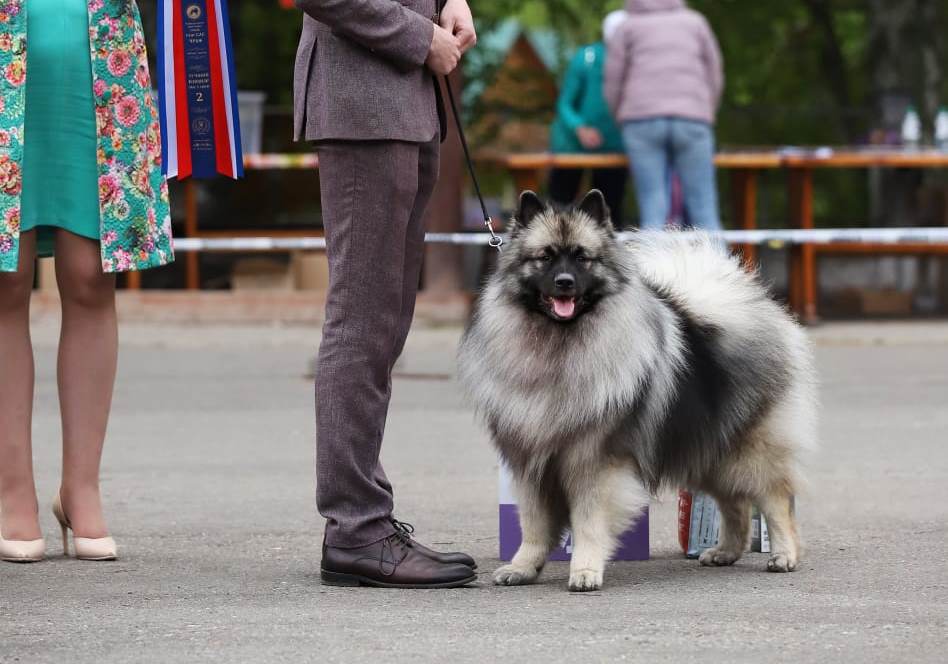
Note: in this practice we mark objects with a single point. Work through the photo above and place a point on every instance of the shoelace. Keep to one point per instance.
(403, 528)
(389, 560)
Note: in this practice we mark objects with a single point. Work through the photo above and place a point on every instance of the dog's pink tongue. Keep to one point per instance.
(564, 306)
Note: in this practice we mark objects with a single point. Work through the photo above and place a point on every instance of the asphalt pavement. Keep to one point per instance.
(208, 480)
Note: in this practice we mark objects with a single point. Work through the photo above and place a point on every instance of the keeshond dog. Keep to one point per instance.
(606, 372)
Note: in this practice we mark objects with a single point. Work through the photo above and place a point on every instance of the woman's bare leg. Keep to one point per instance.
(88, 355)
(17, 489)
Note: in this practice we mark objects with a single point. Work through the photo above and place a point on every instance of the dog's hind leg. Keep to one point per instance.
(776, 506)
(602, 504)
(541, 529)
(767, 472)
(735, 529)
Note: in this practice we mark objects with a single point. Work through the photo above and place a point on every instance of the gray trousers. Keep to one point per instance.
(374, 196)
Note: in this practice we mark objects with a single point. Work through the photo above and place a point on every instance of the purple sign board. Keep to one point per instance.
(633, 544)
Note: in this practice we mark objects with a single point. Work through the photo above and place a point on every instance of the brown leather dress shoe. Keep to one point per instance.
(391, 563)
(447, 557)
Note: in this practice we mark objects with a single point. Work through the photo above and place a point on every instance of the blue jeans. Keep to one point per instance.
(660, 145)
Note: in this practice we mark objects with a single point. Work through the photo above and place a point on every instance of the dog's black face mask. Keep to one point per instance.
(561, 284)
(561, 256)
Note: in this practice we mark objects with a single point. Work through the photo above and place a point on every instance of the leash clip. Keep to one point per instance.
(495, 240)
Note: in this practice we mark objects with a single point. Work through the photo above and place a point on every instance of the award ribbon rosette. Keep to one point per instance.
(200, 123)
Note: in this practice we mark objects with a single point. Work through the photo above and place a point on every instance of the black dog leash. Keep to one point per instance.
(495, 240)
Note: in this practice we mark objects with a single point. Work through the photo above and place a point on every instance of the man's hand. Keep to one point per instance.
(445, 52)
(589, 137)
(456, 18)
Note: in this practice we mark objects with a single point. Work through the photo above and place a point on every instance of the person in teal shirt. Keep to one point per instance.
(584, 124)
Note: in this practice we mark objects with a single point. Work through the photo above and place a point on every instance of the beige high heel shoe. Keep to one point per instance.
(22, 551)
(85, 548)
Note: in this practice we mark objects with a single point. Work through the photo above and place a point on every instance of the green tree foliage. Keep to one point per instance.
(799, 72)
(578, 20)
(265, 41)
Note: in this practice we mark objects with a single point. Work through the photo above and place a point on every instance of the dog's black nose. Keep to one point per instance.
(564, 281)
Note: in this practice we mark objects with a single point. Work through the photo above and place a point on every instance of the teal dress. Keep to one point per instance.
(60, 171)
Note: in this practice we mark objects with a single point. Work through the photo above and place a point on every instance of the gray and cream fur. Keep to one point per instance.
(606, 372)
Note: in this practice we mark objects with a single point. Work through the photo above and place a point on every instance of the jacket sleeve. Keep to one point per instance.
(570, 94)
(386, 27)
(714, 62)
(618, 60)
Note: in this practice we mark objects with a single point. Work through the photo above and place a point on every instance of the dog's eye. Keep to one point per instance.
(545, 258)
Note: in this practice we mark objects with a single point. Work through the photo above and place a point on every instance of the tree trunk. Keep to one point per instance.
(904, 43)
(834, 64)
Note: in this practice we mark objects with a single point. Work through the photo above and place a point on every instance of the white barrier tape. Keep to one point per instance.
(248, 244)
(938, 235)
(304, 243)
(778, 237)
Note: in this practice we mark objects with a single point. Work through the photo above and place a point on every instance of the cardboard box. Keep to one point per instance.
(310, 270)
(888, 302)
(261, 274)
(633, 545)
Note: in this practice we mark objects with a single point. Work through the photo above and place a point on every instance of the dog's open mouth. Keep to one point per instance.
(563, 308)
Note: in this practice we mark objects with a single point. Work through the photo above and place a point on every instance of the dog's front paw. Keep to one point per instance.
(585, 580)
(511, 575)
(781, 562)
(718, 557)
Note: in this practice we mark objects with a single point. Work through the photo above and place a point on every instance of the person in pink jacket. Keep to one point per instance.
(663, 83)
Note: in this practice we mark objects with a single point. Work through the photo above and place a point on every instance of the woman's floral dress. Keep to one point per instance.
(134, 215)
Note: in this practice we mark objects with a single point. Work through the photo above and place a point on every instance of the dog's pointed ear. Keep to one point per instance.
(596, 207)
(530, 206)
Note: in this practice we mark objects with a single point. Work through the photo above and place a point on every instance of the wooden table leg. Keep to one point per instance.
(744, 195)
(803, 288)
(526, 179)
(133, 280)
(192, 265)
(793, 267)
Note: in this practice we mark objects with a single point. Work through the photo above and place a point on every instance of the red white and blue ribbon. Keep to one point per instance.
(200, 123)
